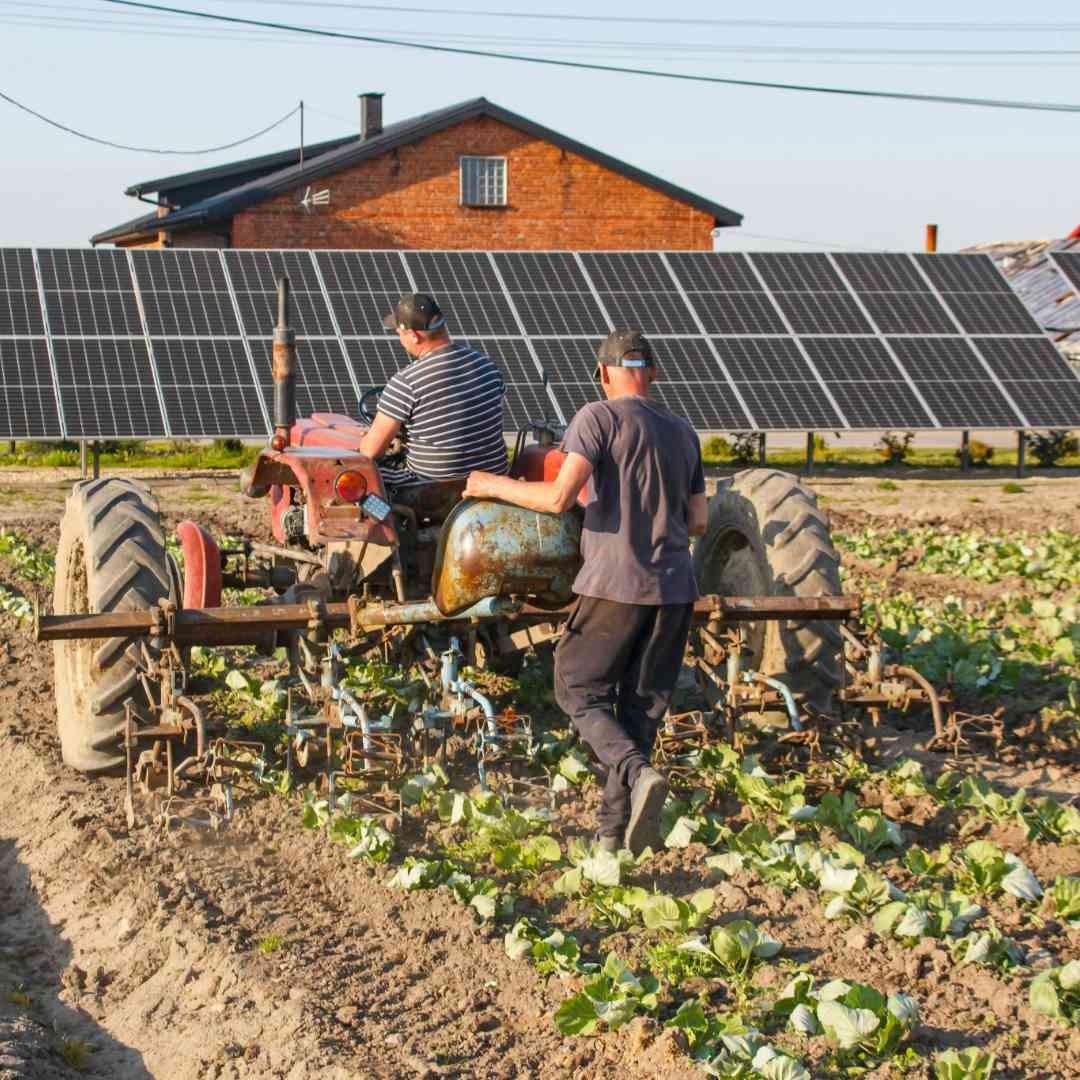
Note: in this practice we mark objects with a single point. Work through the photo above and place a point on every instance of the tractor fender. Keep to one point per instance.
(490, 548)
(202, 566)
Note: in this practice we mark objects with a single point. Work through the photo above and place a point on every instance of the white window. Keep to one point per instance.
(483, 181)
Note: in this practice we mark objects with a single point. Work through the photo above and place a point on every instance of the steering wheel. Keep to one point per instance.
(367, 413)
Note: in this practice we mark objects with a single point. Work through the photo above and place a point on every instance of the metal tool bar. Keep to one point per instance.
(242, 625)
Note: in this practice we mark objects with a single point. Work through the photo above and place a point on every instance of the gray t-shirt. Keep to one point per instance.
(646, 464)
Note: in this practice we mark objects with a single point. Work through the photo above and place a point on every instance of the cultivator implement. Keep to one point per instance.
(330, 731)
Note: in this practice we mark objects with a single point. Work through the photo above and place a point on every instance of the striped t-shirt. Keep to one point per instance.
(450, 403)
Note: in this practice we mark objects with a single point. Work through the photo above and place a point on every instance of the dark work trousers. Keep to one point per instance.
(615, 670)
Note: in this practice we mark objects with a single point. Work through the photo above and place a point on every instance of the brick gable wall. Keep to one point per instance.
(409, 199)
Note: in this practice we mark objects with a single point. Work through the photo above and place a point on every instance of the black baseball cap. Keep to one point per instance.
(416, 311)
(614, 350)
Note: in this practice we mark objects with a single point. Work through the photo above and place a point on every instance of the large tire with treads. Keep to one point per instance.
(766, 536)
(111, 557)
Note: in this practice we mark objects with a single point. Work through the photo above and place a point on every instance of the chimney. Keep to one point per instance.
(370, 115)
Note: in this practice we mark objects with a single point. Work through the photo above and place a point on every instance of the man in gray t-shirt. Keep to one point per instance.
(622, 648)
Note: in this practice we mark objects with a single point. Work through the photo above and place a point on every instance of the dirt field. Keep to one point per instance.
(138, 954)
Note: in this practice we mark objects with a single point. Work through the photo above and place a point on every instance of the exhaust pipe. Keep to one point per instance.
(284, 371)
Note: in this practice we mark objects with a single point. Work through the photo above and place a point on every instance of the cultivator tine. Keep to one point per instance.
(503, 742)
(384, 803)
(679, 737)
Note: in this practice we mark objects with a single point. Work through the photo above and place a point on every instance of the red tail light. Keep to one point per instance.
(350, 486)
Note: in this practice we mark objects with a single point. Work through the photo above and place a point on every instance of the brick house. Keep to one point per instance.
(473, 175)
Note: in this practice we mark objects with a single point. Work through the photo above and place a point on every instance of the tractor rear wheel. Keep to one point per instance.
(111, 557)
(766, 536)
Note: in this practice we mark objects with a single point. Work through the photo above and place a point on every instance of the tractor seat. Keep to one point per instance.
(430, 500)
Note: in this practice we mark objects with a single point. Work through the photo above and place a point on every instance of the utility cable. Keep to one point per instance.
(579, 44)
(143, 149)
(937, 99)
(859, 25)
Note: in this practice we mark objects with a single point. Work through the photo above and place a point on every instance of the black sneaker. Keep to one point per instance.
(646, 801)
(608, 842)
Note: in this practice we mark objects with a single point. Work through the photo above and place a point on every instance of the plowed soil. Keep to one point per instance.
(136, 953)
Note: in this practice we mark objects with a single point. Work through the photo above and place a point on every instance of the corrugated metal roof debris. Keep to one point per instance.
(1048, 296)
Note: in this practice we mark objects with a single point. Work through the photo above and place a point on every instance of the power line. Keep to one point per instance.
(798, 240)
(939, 99)
(581, 44)
(143, 149)
(188, 31)
(761, 24)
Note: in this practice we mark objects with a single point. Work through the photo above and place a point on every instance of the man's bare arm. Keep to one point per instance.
(380, 435)
(551, 497)
(699, 515)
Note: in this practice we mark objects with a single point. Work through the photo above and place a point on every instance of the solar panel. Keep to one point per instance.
(467, 289)
(907, 313)
(725, 293)
(737, 313)
(89, 293)
(551, 293)
(324, 382)
(527, 398)
(784, 272)
(637, 291)
(866, 384)
(777, 383)
(713, 272)
(1036, 377)
(107, 388)
(28, 408)
(962, 273)
(363, 286)
(822, 313)
(1068, 262)
(20, 304)
(374, 363)
(185, 295)
(254, 276)
(953, 382)
(992, 313)
(872, 273)
(570, 360)
(208, 387)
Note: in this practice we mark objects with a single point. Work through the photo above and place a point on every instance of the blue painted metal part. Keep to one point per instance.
(489, 607)
(492, 549)
(784, 691)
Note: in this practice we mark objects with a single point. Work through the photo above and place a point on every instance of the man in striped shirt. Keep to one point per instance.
(448, 401)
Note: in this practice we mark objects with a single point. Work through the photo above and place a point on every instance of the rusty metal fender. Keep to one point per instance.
(490, 548)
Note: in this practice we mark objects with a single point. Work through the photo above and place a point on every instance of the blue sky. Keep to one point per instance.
(835, 171)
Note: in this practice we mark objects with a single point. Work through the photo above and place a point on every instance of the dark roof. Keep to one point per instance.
(265, 163)
(135, 227)
(228, 202)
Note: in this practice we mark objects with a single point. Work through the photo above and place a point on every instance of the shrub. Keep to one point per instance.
(1049, 447)
(229, 446)
(744, 447)
(895, 447)
(716, 447)
(979, 453)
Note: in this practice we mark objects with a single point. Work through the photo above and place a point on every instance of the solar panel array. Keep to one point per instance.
(113, 343)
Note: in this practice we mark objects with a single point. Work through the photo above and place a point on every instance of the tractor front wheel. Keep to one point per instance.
(111, 557)
(766, 536)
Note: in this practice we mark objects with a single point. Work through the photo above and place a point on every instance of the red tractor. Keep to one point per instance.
(418, 573)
